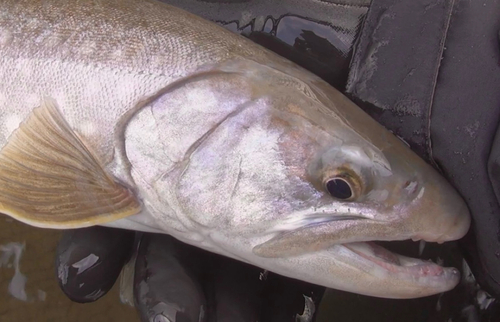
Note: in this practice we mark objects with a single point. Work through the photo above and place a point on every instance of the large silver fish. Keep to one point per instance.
(135, 114)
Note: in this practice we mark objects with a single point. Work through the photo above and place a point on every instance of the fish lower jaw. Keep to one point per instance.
(413, 268)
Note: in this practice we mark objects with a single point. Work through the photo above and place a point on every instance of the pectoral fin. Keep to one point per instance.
(49, 178)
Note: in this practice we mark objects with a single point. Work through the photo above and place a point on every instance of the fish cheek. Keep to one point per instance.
(237, 179)
(209, 182)
(299, 144)
(204, 190)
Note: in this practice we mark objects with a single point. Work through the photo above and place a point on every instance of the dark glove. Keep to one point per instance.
(178, 282)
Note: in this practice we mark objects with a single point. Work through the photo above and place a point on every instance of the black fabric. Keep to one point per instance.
(180, 283)
(310, 51)
(396, 62)
(464, 121)
(494, 165)
(317, 35)
(429, 71)
(166, 283)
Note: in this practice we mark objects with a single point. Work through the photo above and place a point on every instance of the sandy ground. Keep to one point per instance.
(45, 301)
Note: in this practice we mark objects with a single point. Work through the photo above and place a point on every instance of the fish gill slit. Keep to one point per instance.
(184, 163)
(238, 178)
(120, 151)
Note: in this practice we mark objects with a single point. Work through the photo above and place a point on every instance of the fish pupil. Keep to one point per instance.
(339, 188)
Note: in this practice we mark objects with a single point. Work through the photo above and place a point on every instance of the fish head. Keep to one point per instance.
(341, 168)
(296, 173)
(354, 182)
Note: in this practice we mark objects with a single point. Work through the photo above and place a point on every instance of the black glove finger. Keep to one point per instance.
(176, 282)
(290, 300)
(89, 260)
(234, 290)
(167, 284)
(238, 292)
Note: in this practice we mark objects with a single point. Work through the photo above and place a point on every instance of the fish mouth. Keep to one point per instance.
(378, 272)
(399, 264)
(352, 241)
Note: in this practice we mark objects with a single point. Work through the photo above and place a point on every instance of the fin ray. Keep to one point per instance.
(49, 178)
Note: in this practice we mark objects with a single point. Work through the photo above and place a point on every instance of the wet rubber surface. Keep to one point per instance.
(89, 260)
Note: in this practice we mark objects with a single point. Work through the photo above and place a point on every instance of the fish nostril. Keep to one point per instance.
(410, 187)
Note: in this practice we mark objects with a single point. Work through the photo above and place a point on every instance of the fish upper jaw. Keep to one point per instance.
(446, 227)
(439, 214)
(435, 213)
(427, 218)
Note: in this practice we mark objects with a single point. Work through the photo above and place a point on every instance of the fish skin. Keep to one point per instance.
(225, 143)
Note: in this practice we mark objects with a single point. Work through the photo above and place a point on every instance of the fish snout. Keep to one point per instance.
(440, 214)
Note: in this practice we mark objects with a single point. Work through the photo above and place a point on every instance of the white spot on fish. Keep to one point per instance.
(117, 53)
(81, 285)
(89, 48)
(61, 98)
(86, 263)
(93, 88)
(24, 69)
(198, 94)
(52, 41)
(6, 37)
(87, 128)
(12, 122)
(64, 51)
(18, 283)
(32, 100)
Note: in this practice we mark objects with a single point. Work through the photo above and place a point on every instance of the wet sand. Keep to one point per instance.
(45, 301)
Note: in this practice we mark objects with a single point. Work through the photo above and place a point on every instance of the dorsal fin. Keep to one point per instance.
(49, 178)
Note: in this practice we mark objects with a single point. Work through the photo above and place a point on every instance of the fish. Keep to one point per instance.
(139, 115)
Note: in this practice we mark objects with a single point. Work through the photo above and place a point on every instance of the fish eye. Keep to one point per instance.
(339, 188)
